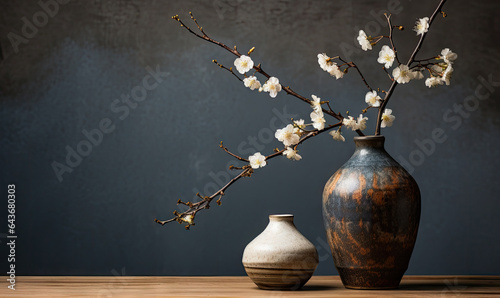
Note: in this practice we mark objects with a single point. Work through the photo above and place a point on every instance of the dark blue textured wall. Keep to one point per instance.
(71, 76)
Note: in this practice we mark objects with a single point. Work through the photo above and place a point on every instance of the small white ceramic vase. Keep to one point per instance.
(280, 258)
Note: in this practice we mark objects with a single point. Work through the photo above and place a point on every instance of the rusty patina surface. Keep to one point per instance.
(371, 208)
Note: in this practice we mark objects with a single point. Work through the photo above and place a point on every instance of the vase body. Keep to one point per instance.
(280, 258)
(371, 210)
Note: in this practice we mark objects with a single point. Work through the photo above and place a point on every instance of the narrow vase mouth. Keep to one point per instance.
(369, 142)
(281, 217)
(369, 138)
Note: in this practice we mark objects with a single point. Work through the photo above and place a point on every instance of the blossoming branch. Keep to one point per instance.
(439, 69)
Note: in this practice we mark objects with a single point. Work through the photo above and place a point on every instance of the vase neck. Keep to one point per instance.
(376, 142)
(281, 218)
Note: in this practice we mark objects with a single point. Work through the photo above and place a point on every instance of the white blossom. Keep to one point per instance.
(318, 120)
(416, 75)
(386, 56)
(438, 68)
(433, 82)
(316, 103)
(447, 74)
(188, 218)
(402, 74)
(372, 98)
(336, 135)
(421, 26)
(329, 66)
(299, 126)
(361, 123)
(272, 86)
(251, 82)
(243, 64)
(324, 62)
(448, 56)
(355, 124)
(363, 41)
(257, 160)
(442, 74)
(387, 118)
(336, 72)
(287, 135)
(350, 122)
(292, 154)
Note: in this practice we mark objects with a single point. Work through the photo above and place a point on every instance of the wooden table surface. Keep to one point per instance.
(241, 286)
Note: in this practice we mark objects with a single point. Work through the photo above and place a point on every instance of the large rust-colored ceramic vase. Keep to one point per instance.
(371, 209)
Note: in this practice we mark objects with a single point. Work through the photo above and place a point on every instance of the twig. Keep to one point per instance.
(390, 78)
(194, 208)
(431, 19)
(257, 68)
(412, 59)
(228, 69)
(317, 132)
(205, 36)
(391, 29)
(352, 64)
(196, 22)
(232, 154)
(378, 38)
(289, 91)
(328, 104)
(421, 60)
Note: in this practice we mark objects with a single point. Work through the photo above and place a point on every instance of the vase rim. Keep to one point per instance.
(281, 216)
(366, 138)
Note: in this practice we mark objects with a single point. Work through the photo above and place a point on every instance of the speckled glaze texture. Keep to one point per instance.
(280, 258)
(371, 209)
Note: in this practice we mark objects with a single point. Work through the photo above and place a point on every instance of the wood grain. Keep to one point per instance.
(241, 286)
